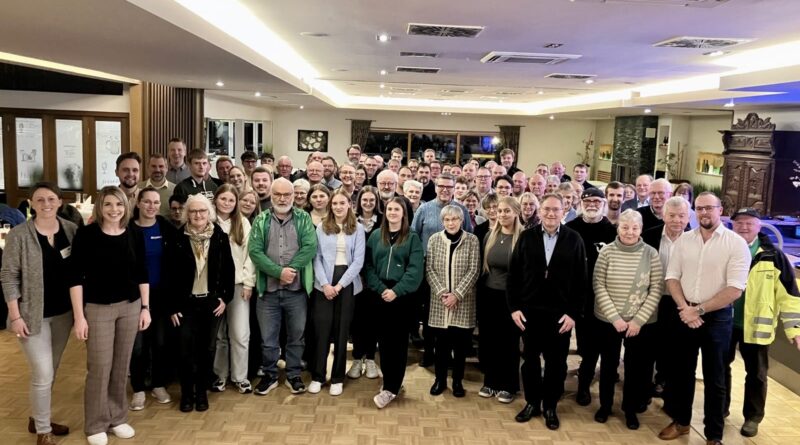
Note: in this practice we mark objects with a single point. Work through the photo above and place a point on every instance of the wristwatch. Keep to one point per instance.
(701, 311)
(145, 307)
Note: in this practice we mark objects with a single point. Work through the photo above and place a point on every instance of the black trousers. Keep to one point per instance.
(542, 339)
(331, 319)
(151, 353)
(756, 365)
(363, 328)
(586, 331)
(392, 328)
(452, 345)
(498, 341)
(639, 358)
(198, 334)
(713, 339)
(255, 350)
(422, 298)
(668, 319)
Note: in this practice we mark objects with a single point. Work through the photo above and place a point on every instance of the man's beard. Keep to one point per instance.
(281, 208)
(386, 195)
(614, 205)
(592, 213)
(129, 183)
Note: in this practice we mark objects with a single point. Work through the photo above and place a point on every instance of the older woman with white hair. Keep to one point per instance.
(301, 188)
(412, 190)
(452, 270)
(202, 286)
(628, 280)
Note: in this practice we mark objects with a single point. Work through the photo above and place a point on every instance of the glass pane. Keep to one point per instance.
(260, 137)
(443, 144)
(477, 146)
(108, 146)
(2, 166)
(69, 153)
(30, 151)
(382, 143)
(220, 137)
(248, 136)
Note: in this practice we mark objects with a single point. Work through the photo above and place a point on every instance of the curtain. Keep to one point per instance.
(359, 132)
(509, 137)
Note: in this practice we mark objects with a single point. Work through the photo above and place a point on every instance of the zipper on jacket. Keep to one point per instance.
(389, 262)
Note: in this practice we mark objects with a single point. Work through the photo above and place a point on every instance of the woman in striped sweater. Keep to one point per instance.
(628, 279)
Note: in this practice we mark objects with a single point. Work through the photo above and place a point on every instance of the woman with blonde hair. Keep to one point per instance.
(239, 179)
(529, 206)
(248, 204)
(110, 303)
(337, 265)
(499, 339)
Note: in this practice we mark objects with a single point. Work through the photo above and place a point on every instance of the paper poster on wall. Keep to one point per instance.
(108, 146)
(30, 151)
(2, 166)
(69, 153)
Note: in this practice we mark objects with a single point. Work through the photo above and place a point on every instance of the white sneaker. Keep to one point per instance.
(383, 398)
(372, 369)
(356, 369)
(137, 401)
(123, 431)
(161, 395)
(336, 389)
(97, 439)
(315, 387)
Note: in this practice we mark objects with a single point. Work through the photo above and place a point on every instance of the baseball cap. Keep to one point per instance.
(593, 192)
(745, 211)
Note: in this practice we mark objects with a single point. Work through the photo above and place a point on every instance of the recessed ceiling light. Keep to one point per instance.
(301, 107)
(588, 81)
(220, 83)
(258, 94)
(445, 113)
(314, 34)
(339, 70)
(384, 72)
(383, 38)
(729, 104)
(648, 111)
(552, 117)
(716, 53)
(553, 45)
(540, 92)
(382, 86)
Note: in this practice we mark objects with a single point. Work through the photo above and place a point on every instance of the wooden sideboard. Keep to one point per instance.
(759, 169)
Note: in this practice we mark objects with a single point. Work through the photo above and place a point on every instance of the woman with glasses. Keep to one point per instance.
(529, 205)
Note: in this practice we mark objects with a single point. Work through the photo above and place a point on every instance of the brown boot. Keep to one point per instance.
(58, 430)
(673, 431)
(45, 439)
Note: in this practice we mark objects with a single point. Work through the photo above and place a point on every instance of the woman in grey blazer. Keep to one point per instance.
(340, 256)
(37, 294)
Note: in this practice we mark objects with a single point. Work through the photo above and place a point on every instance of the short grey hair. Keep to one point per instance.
(677, 201)
(302, 183)
(630, 216)
(283, 181)
(553, 178)
(385, 173)
(664, 183)
(451, 210)
(411, 183)
(212, 212)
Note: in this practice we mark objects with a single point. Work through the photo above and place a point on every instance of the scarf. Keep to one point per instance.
(200, 242)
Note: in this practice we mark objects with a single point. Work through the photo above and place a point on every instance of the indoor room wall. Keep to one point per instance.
(66, 101)
(704, 136)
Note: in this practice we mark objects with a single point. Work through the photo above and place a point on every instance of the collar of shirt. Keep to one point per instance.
(178, 169)
(149, 183)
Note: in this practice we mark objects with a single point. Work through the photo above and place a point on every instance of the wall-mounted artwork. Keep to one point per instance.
(312, 140)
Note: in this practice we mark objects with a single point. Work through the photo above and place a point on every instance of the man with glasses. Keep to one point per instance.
(653, 214)
(596, 231)
(329, 171)
(642, 198)
(546, 292)
(249, 162)
(285, 168)
(707, 272)
(483, 182)
(282, 245)
(354, 154)
(347, 175)
(387, 189)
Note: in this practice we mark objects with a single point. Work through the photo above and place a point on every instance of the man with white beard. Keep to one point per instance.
(596, 231)
(387, 189)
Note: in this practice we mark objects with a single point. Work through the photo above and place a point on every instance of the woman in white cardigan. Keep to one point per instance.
(340, 256)
(233, 336)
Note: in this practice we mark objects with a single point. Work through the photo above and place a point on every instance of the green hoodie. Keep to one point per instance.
(403, 263)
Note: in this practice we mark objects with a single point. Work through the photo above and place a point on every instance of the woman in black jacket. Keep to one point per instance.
(202, 284)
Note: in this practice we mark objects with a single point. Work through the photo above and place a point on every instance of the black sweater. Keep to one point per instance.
(538, 289)
(109, 267)
(183, 269)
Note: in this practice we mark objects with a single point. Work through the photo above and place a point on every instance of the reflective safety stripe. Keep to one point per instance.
(785, 315)
(762, 320)
(791, 324)
(762, 334)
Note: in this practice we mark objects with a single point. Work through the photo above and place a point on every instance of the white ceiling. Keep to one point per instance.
(169, 44)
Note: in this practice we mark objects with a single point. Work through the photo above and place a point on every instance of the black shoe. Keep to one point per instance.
(426, 362)
(438, 387)
(643, 407)
(601, 416)
(458, 390)
(187, 404)
(583, 397)
(266, 385)
(631, 421)
(527, 413)
(296, 385)
(201, 404)
(551, 419)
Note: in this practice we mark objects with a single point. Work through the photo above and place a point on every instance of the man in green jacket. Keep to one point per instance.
(771, 293)
(282, 246)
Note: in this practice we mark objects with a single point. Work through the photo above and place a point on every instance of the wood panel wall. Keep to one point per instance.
(166, 112)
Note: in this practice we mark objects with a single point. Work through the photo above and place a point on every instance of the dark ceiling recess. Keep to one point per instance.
(23, 78)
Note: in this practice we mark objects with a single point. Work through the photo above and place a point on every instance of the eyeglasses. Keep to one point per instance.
(483, 177)
(703, 209)
(445, 187)
(386, 184)
(551, 209)
(283, 195)
(198, 211)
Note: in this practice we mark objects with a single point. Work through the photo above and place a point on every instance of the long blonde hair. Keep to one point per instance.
(329, 225)
(495, 233)
(237, 230)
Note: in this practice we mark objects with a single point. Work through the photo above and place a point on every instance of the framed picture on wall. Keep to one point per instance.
(312, 140)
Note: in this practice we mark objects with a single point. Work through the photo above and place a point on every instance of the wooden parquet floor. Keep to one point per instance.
(414, 418)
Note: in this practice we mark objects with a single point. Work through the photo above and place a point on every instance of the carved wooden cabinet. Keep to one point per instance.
(757, 169)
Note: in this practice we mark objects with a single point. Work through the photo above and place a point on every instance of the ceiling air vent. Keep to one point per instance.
(404, 89)
(537, 58)
(416, 69)
(454, 91)
(570, 76)
(507, 93)
(417, 54)
(699, 42)
(688, 3)
(425, 29)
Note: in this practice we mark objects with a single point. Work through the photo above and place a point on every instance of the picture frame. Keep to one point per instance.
(312, 140)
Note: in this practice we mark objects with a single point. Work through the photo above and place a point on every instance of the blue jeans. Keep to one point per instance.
(271, 308)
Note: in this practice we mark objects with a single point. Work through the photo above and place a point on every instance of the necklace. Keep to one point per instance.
(504, 237)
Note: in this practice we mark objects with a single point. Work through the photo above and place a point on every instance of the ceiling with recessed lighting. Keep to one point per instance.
(324, 53)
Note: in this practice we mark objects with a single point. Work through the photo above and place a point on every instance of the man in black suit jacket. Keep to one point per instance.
(547, 285)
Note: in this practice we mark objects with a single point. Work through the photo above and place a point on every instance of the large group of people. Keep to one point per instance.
(220, 280)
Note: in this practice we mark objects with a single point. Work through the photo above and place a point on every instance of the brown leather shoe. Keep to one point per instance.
(45, 439)
(58, 430)
(673, 431)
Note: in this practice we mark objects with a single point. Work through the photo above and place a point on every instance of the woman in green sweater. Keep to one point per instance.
(628, 279)
(393, 266)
